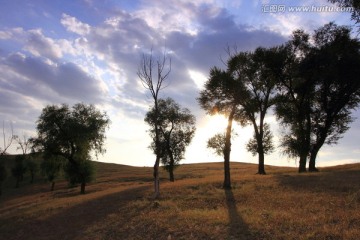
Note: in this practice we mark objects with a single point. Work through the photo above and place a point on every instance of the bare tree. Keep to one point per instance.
(153, 74)
(24, 143)
(7, 141)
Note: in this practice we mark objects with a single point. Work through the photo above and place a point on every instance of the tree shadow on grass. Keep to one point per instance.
(72, 222)
(328, 182)
(237, 227)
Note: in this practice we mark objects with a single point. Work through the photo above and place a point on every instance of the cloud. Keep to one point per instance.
(39, 45)
(74, 25)
(95, 60)
(34, 77)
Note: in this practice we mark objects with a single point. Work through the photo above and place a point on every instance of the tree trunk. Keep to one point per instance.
(171, 174)
(17, 182)
(83, 184)
(156, 178)
(302, 163)
(171, 165)
(32, 178)
(261, 166)
(316, 148)
(227, 149)
(312, 161)
(52, 186)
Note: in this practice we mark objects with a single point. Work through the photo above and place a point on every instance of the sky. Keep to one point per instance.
(71, 51)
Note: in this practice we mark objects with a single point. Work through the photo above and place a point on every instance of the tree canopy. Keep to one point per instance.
(318, 90)
(176, 127)
(73, 133)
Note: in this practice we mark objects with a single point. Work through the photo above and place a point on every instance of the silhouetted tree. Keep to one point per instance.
(19, 169)
(32, 167)
(24, 144)
(217, 142)
(73, 134)
(267, 143)
(81, 173)
(6, 141)
(355, 4)
(223, 94)
(318, 90)
(294, 99)
(3, 173)
(259, 72)
(177, 128)
(333, 65)
(51, 167)
(153, 74)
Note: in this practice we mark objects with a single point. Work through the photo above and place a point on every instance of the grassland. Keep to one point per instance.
(119, 205)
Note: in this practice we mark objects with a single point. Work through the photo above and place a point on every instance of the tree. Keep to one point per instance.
(6, 142)
(267, 143)
(24, 146)
(294, 99)
(355, 4)
(51, 167)
(153, 75)
(217, 142)
(177, 128)
(333, 65)
(223, 95)
(19, 169)
(259, 72)
(82, 173)
(3, 173)
(24, 143)
(3, 151)
(318, 90)
(72, 134)
(33, 168)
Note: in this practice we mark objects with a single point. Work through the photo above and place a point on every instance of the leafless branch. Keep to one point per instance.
(7, 142)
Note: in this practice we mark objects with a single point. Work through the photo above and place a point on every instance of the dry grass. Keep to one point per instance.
(119, 205)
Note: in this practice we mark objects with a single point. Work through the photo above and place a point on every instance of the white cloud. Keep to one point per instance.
(74, 25)
(39, 45)
(4, 35)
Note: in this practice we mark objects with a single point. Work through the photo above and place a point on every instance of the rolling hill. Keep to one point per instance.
(119, 205)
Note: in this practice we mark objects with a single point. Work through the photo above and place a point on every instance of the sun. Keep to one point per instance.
(217, 123)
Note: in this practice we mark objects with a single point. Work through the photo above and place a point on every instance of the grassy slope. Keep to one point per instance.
(280, 205)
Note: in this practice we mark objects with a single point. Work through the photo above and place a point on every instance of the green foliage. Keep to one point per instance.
(258, 72)
(217, 142)
(51, 166)
(222, 93)
(267, 141)
(176, 130)
(80, 173)
(318, 90)
(72, 134)
(64, 131)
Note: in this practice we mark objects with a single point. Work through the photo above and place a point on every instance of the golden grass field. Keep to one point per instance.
(119, 205)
